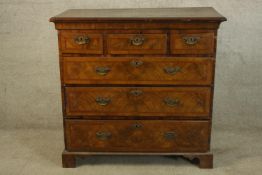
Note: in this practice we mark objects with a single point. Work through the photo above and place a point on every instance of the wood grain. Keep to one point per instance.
(68, 44)
(190, 71)
(140, 14)
(192, 101)
(189, 136)
(125, 25)
(153, 44)
(205, 45)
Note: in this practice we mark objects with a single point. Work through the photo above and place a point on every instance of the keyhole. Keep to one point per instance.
(137, 125)
(136, 63)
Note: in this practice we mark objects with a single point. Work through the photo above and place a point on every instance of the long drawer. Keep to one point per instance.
(137, 135)
(130, 70)
(138, 101)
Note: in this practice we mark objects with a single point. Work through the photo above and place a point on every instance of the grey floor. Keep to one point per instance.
(38, 152)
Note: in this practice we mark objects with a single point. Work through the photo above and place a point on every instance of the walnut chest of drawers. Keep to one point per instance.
(138, 81)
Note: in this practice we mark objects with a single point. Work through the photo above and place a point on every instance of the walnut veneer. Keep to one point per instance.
(138, 81)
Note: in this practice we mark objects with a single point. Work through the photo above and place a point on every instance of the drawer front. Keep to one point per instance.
(177, 71)
(137, 44)
(78, 41)
(137, 135)
(138, 101)
(192, 42)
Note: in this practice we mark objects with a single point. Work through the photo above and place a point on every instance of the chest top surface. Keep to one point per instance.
(141, 14)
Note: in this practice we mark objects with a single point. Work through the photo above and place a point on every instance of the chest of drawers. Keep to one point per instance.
(138, 82)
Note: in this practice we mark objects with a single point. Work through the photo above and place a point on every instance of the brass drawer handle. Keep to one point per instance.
(136, 92)
(82, 40)
(102, 70)
(172, 70)
(103, 101)
(103, 135)
(191, 40)
(137, 40)
(169, 135)
(171, 102)
(136, 63)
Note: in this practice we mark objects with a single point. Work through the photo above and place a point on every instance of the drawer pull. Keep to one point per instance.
(103, 101)
(136, 92)
(103, 135)
(102, 70)
(136, 63)
(170, 135)
(137, 40)
(171, 102)
(172, 70)
(191, 40)
(82, 40)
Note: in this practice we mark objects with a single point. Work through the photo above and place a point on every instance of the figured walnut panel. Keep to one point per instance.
(204, 45)
(190, 71)
(69, 45)
(153, 44)
(138, 101)
(137, 135)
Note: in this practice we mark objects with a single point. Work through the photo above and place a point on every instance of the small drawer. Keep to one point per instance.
(192, 42)
(183, 102)
(146, 70)
(137, 135)
(81, 41)
(137, 43)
